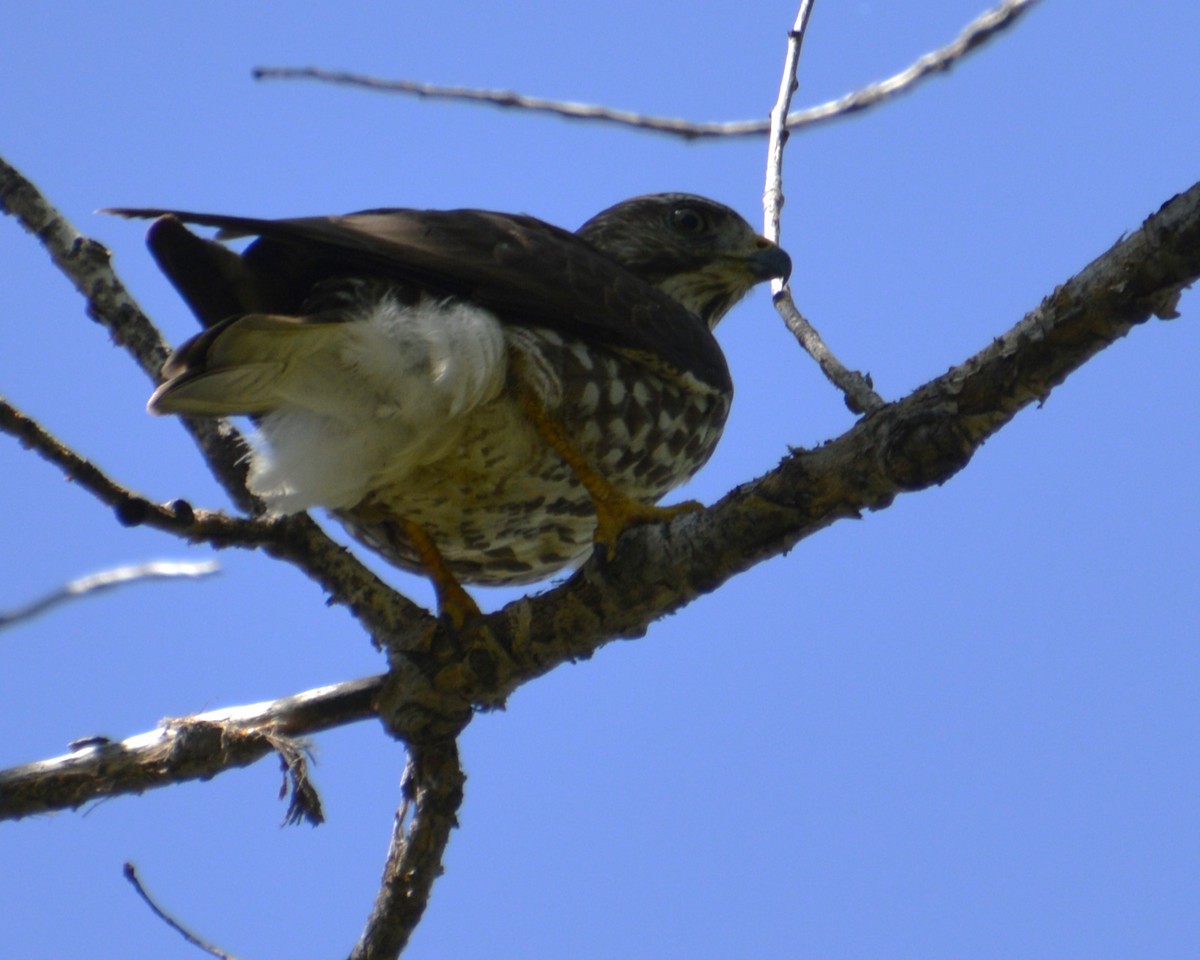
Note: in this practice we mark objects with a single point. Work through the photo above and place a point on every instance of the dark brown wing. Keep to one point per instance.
(525, 271)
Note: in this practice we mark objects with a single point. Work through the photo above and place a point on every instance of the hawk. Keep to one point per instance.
(478, 396)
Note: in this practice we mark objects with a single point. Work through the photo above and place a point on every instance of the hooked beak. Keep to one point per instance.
(769, 261)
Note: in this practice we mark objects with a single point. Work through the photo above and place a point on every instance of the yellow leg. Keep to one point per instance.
(454, 603)
(615, 511)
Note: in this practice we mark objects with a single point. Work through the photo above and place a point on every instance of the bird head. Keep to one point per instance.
(697, 251)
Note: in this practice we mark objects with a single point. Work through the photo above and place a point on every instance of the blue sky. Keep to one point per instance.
(964, 726)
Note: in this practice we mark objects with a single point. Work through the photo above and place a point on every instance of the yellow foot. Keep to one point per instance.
(455, 605)
(615, 512)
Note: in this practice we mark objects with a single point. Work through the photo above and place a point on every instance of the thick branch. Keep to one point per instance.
(976, 33)
(433, 791)
(189, 748)
(908, 445)
(87, 265)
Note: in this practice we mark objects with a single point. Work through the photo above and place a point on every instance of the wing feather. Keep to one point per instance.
(525, 271)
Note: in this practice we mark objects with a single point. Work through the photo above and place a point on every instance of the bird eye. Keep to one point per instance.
(688, 220)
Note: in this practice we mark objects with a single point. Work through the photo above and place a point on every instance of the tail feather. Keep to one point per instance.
(214, 280)
(226, 392)
(245, 366)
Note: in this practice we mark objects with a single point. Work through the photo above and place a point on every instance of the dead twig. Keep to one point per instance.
(108, 580)
(130, 872)
(855, 387)
(981, 29)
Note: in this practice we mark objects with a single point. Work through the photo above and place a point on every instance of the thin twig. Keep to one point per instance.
(854, 386)
(131, 875)
(190, 748)
(433, 792)
(132, 508)
(108, 580)
(773, 192)
(983, 28)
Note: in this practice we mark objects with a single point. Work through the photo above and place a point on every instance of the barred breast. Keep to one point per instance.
(503, 507)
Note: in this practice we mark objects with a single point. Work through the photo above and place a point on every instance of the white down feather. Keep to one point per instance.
(387, 395)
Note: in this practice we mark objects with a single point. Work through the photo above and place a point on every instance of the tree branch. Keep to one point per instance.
(297, 539)
(196, 941)
(108, 580)
(773, 192)
(433, 791)
(88, 265)
(977, 32)
(190, 748)
(856, 388)
(908, 445)
(788, 85)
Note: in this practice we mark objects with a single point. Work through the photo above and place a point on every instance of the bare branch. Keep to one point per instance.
(108, 580)
(296, 539)
(773, 191)
(132, 509)
(907, 445)
(980, 30)
(983, 28)
(857, 388)
(189, 748)
(433, 792)
(130, 872)
(87, 264)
